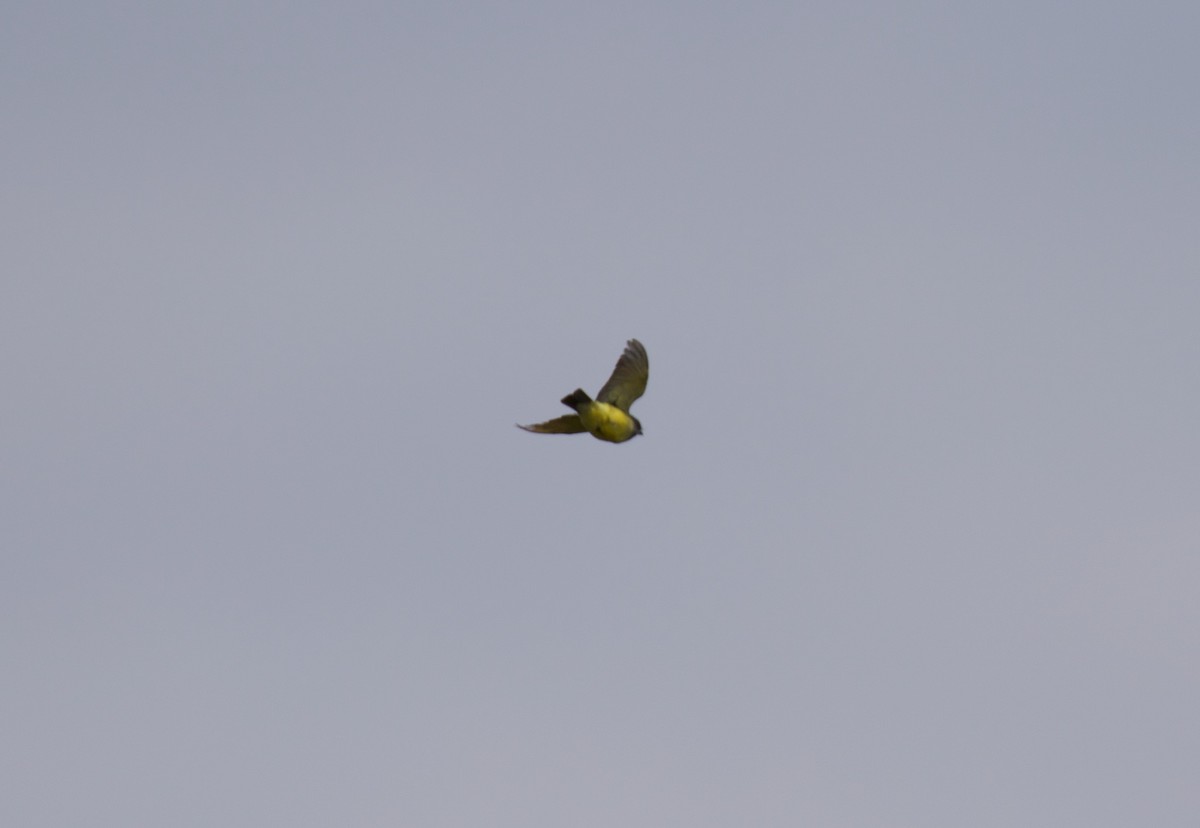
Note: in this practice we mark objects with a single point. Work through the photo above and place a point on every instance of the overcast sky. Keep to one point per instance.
(913, 534)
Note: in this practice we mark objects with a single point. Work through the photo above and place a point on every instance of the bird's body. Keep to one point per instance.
(603, 421)
(607, 417)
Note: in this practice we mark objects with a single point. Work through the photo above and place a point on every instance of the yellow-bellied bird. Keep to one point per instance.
(607, 417)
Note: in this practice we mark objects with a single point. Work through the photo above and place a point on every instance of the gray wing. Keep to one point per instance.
(566, 424)
(628, 380)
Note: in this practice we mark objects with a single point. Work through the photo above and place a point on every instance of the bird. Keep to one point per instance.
(607, 417)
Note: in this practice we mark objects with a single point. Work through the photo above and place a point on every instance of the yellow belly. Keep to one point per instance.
(607, 422)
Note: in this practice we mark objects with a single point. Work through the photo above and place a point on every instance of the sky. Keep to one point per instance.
(912, 537)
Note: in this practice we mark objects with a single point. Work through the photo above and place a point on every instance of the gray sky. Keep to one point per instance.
(912, 538)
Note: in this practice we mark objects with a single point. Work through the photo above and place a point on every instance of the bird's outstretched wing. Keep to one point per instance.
(566, 424)
(628, 380)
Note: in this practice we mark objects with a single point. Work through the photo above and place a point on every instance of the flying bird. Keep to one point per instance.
(607, 417)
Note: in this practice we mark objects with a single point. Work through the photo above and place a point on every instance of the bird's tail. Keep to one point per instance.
(576, 398)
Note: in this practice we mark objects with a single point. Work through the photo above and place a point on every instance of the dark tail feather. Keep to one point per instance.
(576, 398)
